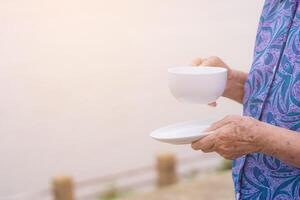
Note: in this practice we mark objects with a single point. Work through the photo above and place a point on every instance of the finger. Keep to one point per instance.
(207, 62)
(213, 104)
(197, 62)
(205, 144)
(226, 120)
(212, 142)
(214, 61)
(211, 61)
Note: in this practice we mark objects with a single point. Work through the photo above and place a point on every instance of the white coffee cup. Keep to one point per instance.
(201, 85)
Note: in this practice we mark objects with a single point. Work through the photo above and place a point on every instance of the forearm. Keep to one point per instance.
(235, 87)
(280, 143)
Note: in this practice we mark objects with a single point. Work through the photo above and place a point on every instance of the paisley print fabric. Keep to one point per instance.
(272, 95)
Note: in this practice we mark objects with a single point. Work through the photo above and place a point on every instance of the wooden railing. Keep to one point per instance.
(165, 173)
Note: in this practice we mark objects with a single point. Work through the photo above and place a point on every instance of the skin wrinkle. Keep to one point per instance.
(276, 144)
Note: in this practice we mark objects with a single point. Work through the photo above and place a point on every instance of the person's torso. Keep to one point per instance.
(272, 95)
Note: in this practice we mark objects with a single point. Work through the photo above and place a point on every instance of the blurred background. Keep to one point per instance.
(83, 83)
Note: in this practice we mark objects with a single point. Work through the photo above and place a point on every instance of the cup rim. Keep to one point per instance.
(191, 70)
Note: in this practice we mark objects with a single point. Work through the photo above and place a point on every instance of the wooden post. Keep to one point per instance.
(166, 169)
(63, 188)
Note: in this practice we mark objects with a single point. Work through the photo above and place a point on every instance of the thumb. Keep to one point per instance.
(197, 62)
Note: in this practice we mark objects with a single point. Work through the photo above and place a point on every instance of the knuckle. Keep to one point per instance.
(222, 149)
(219, 149)
(205, 150)
(229, 155)
(196, 146)
(196, 61)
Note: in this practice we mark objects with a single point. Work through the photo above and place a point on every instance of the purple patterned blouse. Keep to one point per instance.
(272, 95)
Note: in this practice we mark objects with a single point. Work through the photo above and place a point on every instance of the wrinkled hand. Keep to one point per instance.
(232, 137)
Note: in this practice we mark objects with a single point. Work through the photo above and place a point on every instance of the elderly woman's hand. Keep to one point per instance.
(232, 137)
(235, 80)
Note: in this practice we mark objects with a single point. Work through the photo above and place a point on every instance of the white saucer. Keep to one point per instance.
(182, 133)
